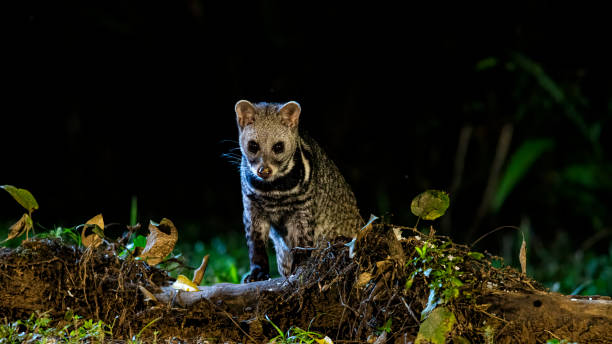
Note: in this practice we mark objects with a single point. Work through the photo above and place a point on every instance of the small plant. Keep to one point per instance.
(438, 267)
(386, 327)
(559, 341)
(26, 200)
(297, 335)
(66, 234)
(136, 339)
(78, 330)
(36, 329)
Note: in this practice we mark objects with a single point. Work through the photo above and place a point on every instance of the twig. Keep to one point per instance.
(345, 305)
(493, 316)
(491, 232)
(409, 310)
(552, 334)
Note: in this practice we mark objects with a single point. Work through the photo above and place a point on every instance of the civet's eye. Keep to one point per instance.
(278, 147)
(253, 147)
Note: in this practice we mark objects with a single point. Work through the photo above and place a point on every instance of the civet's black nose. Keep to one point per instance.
(264, 172)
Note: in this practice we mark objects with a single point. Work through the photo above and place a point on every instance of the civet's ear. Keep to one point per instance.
(245, 113)
(290, 114)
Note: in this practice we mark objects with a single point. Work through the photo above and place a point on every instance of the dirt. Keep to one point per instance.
(348, 296)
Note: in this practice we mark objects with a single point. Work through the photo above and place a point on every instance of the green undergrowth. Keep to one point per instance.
(228, 258)
(41, 329)
(555, 264)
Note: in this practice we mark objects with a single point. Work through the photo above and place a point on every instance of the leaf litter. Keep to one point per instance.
(348, 299)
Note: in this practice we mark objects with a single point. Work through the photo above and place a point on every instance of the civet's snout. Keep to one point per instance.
(264, 172)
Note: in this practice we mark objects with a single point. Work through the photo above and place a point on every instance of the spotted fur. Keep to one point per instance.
(301, 200)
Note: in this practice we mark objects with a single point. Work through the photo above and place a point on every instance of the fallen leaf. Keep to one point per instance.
(436, 327)
(523, 256)
(160, 241)
(148, 296)
(89, 237)
(384, 265)
(22, 196)
(96, 220)
(183, 283)
(430, 205)
(363, 279)
(23, 225)
(325, 340)
(198, 275)
(398, 233)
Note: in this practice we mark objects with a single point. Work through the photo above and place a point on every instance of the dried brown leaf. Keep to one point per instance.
(23, 225)
(198, 275)
(363, 279)
(160, 242)
(523, 257)
(91, 238)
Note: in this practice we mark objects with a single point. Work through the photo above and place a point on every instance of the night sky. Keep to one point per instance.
(105, 100)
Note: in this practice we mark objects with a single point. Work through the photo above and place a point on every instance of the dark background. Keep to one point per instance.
(105, 100)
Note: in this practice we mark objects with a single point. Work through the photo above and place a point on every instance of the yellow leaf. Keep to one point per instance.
(183, 283)
(325, 340)
(96, 220)
(90, 238)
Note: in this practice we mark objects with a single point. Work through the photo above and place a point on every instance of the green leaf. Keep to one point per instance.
(476, 255)
(409, 283)
(520, 162)
(387, 326)
(233, 274)
(280, 333)
(486, 63)
(590, 175)
(22, 196)
(140, 241)
(430, 204)
(456, 282)
(134, 211)
(450, 293)
(436, 327)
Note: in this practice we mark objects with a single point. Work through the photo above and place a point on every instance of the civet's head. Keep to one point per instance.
(268, 136)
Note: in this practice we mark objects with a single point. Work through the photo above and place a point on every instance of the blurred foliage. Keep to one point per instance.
(556, 177)
(520, 161)
(229, 258)
(557, 143)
